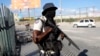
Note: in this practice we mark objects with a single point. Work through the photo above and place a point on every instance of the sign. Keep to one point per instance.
(16, 4)
(24, 4)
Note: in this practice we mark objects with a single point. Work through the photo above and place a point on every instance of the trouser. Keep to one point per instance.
(56, 53)
(47, 46)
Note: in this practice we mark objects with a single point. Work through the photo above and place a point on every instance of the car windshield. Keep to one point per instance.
(81, 21)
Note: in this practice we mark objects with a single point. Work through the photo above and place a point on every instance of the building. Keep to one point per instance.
(96, 14)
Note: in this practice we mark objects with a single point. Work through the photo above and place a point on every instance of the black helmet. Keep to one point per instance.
(48, 6)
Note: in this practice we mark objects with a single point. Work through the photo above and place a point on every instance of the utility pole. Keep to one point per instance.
(86, 12)
(29, 13)
(20, 11)
(79, 13)
(61, 9)
(93, 10)
(34, 13)
(75, 13)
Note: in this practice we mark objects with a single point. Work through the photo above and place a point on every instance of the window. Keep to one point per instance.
(86, 21)
(91, 20)
(81, 21)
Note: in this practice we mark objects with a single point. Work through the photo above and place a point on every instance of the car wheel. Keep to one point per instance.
(89, 25)
(75, 26)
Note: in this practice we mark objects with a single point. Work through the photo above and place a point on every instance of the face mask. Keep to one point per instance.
(50, 13)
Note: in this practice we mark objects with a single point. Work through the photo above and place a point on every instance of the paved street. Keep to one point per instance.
(86, 38)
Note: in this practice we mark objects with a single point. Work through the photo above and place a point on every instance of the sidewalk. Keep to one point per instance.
(29, 49)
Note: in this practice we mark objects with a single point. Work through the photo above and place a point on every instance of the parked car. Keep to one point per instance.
(84, 22)
(24, 37)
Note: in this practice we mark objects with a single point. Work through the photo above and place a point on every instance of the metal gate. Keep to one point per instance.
(7, 32)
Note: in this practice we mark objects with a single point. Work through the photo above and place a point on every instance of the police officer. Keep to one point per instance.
(42, 36)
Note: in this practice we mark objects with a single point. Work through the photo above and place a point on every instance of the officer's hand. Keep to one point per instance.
(62, 36)
(48, 29)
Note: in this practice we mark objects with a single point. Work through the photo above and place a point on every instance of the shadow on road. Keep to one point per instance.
(83, 53)
(33, 53)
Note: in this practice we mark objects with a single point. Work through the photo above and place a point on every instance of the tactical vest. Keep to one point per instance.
(50, 40)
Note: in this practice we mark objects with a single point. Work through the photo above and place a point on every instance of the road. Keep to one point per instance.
(86, 38)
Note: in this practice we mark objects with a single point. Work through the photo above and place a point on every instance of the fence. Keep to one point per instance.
(7, 32)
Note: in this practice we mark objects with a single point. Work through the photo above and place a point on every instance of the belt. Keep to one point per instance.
(48, 51)
(50, 40)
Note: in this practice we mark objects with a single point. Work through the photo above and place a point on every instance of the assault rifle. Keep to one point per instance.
(70, 41)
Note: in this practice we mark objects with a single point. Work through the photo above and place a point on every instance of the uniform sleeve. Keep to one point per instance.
(37, 25)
